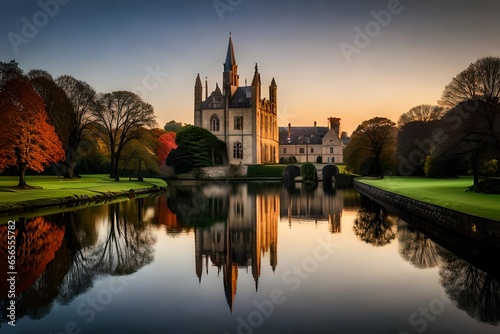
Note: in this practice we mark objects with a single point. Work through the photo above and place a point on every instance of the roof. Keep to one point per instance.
(300, 133)
(242, 97)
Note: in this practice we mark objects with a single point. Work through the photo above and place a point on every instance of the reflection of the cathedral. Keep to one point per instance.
(250, 231)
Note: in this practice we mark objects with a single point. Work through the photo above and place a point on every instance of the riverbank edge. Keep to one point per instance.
(478, 228)
(76, 201)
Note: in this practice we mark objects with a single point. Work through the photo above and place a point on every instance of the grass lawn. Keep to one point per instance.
(53, 187)
(448, 193)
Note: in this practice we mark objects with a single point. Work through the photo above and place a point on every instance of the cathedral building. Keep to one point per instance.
(239, 115)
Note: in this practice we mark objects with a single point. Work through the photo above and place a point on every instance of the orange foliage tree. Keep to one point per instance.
(27, 140)
(166, 143)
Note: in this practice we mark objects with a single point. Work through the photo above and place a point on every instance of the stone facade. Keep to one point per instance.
(239, 116)
(306, 144)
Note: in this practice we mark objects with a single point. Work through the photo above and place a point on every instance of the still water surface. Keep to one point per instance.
(243, 258)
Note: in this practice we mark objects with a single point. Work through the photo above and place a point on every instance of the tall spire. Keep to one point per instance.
(230, 76)
(230, 58)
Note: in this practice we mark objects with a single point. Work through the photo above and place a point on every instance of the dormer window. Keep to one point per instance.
(218, 99)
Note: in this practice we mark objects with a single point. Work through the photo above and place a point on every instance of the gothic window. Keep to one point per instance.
(238, 150)
(214, 124)
(238, 122)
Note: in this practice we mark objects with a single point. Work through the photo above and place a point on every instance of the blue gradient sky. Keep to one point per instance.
(112, 44)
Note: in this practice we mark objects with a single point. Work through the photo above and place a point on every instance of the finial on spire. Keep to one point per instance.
(256, 68)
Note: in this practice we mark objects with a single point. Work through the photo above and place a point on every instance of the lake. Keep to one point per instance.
(245, 258)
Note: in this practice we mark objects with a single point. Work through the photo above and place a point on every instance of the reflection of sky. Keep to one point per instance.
(110, 44)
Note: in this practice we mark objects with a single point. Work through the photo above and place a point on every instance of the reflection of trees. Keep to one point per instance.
(416, 248)
(374, 226)
(38, 244)
(59, 261)
(473, 290)
(128, 245)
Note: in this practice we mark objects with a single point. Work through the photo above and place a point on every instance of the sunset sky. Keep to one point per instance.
(114, 45)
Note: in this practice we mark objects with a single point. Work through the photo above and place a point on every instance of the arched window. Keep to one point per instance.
(238, 150)
(214, 124)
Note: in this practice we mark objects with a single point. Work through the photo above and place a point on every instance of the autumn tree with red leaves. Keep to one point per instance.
(27, 140)
(166, 143)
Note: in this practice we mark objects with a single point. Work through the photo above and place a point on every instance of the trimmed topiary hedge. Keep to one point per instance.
(265, 170)
(309, 172)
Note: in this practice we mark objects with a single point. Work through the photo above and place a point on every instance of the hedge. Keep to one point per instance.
(265, 170)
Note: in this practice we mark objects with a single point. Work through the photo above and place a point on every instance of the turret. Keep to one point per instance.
(256, 85)
(198, 96)
(198, 92)
(273, 95)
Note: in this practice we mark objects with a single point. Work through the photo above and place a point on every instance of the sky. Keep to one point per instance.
(352, 59)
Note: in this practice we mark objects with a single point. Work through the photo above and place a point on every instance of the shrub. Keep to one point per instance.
(308, 172)
(487, 186)
(265, 170)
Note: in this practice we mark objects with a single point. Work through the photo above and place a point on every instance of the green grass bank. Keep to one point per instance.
(448, 193)
(50, 190)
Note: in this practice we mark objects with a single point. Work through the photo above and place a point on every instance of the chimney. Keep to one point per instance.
(289, 130)
(315, 130)
(335, 125)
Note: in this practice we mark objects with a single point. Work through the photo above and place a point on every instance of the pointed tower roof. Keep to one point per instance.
(273, 83)
(256, 76)
(230, 58)
(198, 81)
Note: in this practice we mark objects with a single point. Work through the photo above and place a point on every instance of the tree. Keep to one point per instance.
(472, 131)
(59, 110)
(422, 113)
(83, 101)
(166, 143)
(476, 93)
(196, 147)
(120, 117)
(9, 71)
(28, 141)
(139, 154)
(173, 126)
(416, 141)
(371, 149)
(481, 80)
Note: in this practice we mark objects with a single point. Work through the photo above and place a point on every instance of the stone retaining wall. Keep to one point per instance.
(470, 226)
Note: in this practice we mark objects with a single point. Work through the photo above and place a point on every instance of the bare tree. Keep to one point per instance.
(83, 99)
(120, 117)
(479, 81)
(421, 113)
